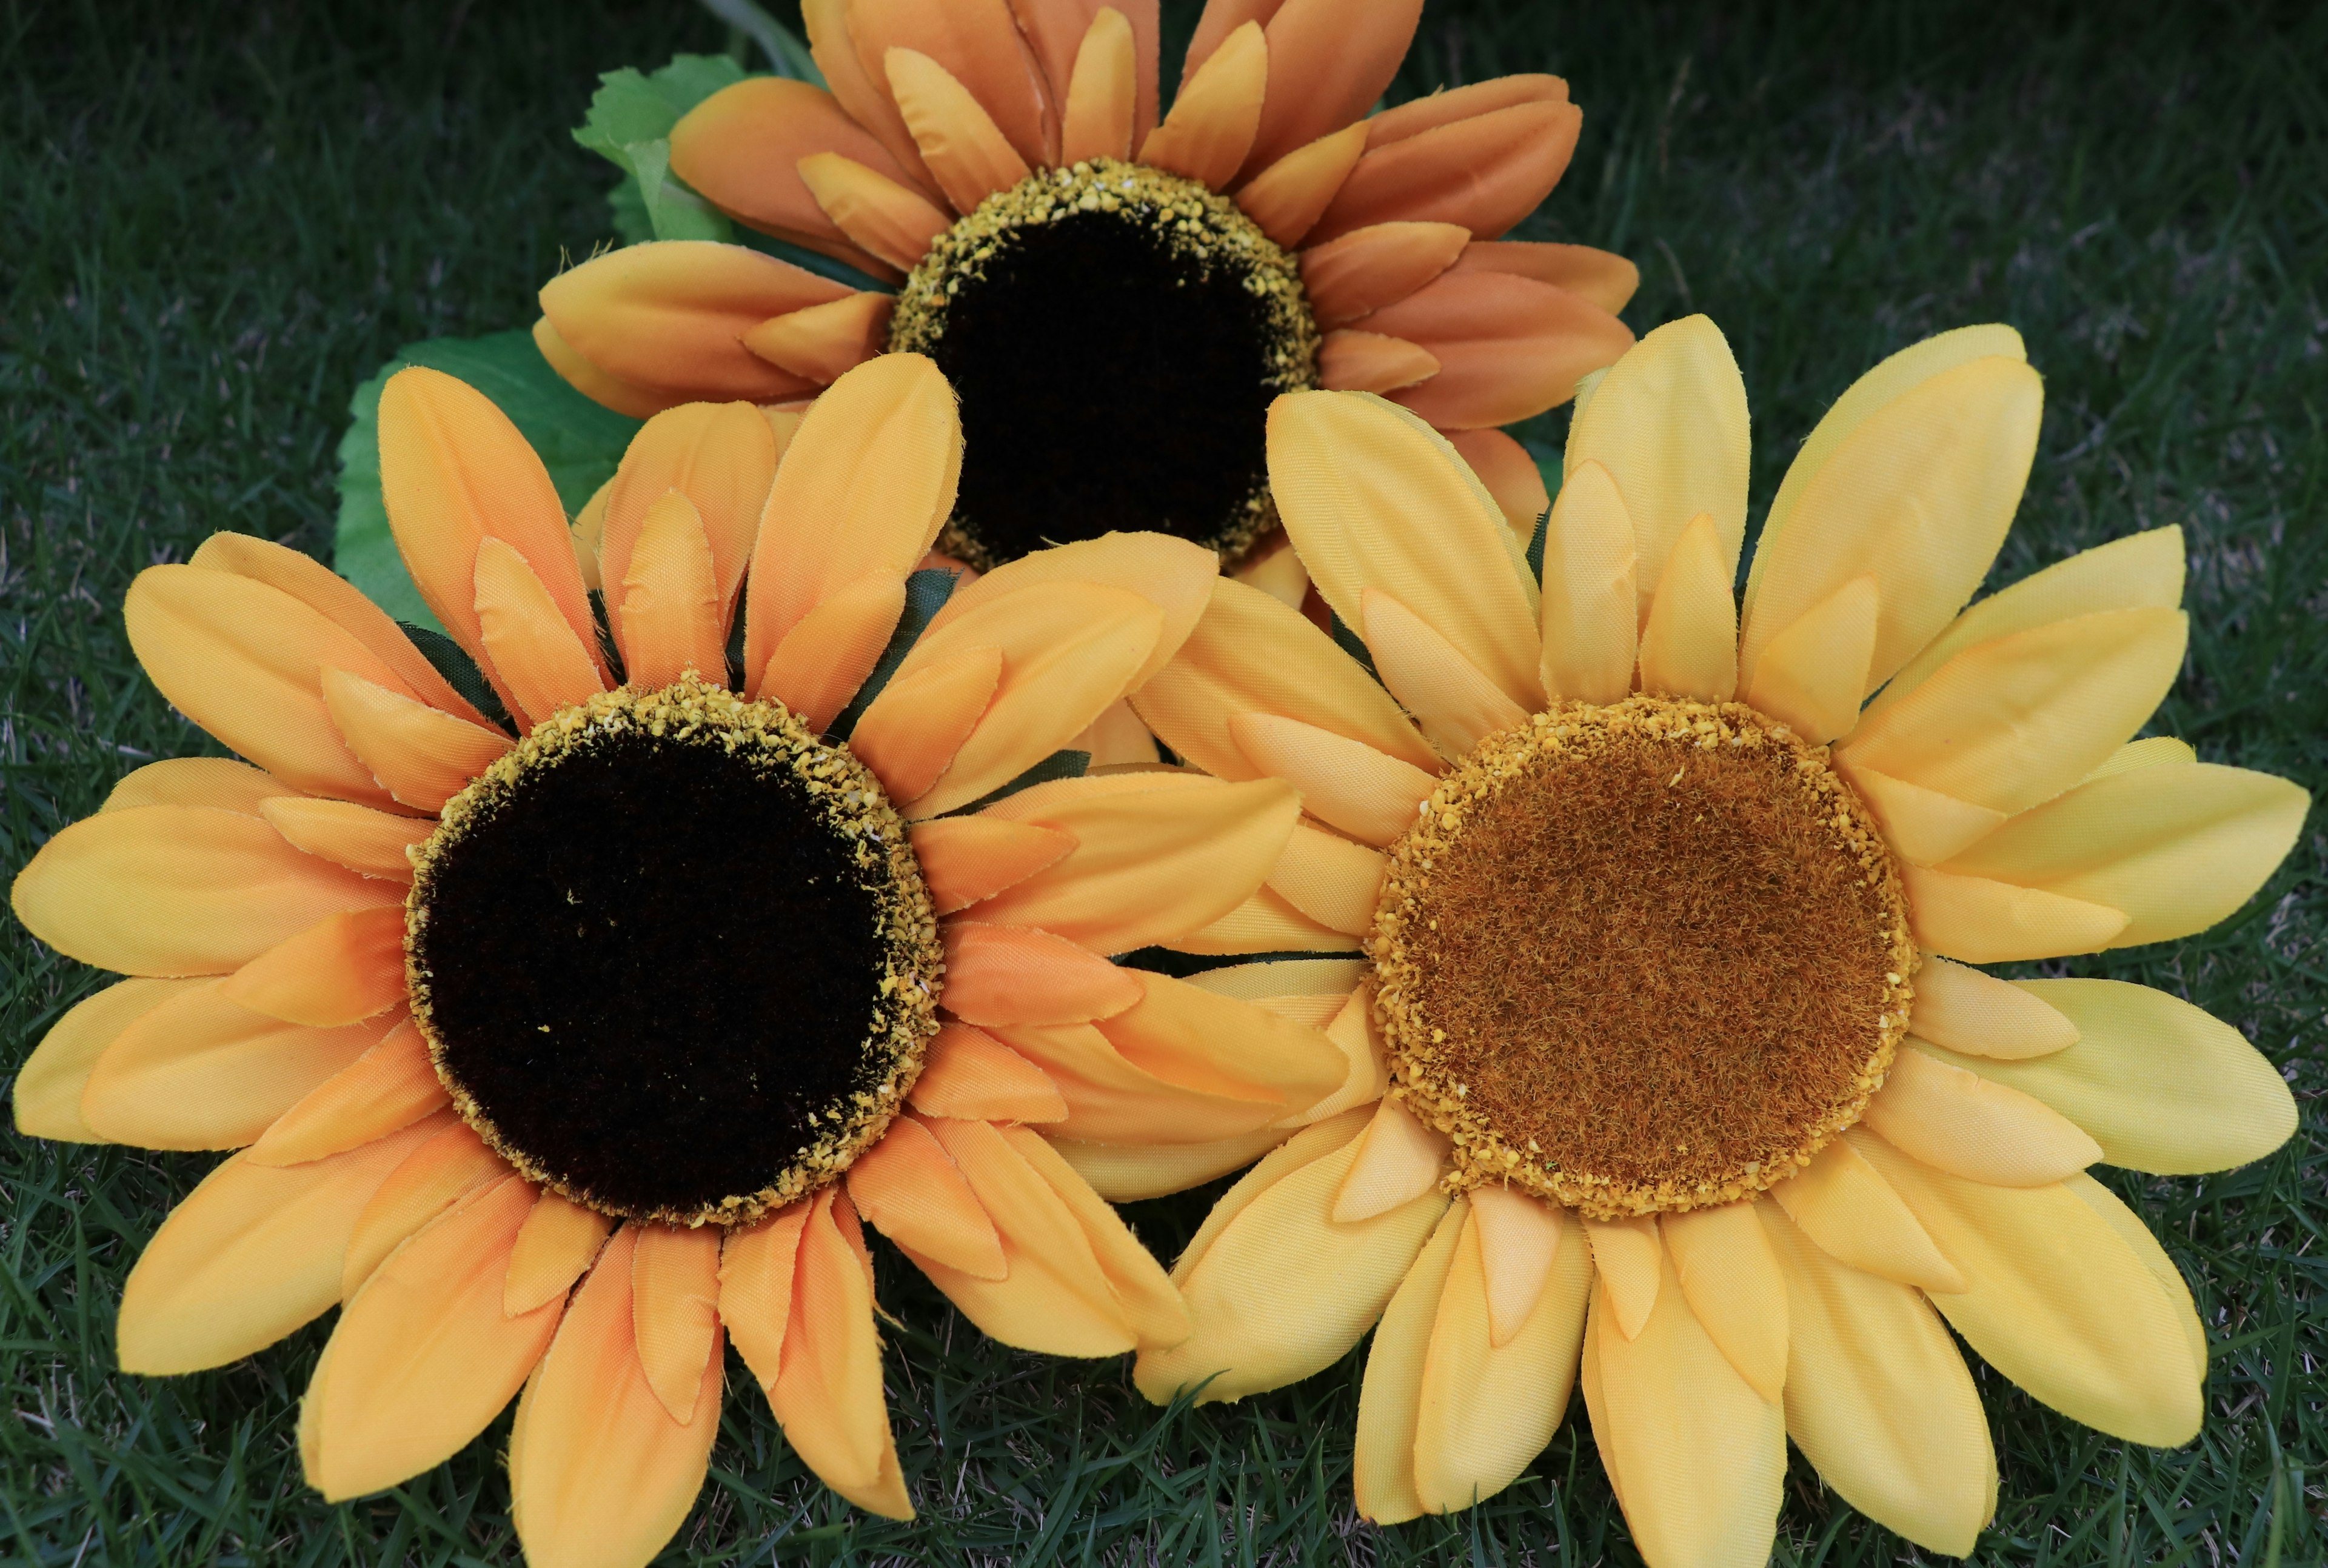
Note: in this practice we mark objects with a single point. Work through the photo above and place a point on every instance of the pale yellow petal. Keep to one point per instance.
(1630, 1260)
(1395, 1161)
(1959, 1121)
(1842, 1203)
(376, 844)
(1345, 782)
(1592, 602)
(1814, 672)
(1330, 879)
(1172, 574)
(1455, 702)
(1735, 1288)
(48, 1090)
(1390, 1398)
(1979, 920)
(1689, 644)
(1923, 826)
(1519, 1242)
(1977, 1013)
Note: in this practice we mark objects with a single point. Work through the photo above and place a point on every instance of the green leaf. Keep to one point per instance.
(629, 125)
(578, 441)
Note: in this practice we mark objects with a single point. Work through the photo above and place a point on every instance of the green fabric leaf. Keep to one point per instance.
(578, 441)
(629, 125)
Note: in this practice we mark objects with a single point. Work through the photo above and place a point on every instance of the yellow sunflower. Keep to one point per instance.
(1690, 1087)
(556, 1056)
(1116, 300)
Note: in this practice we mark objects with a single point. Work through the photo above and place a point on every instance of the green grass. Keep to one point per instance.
(221, 218)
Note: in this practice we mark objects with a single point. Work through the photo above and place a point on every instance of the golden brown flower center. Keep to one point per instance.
(1642, 957)
(1115, 334)
(674, 955)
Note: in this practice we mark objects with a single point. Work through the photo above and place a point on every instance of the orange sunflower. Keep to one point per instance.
(1689, 1086)
(1116, 300)
(558, 1055)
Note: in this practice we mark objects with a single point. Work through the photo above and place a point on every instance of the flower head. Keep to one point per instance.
(1689, 1086)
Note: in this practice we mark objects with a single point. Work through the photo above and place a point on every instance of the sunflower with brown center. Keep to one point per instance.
(1688, 1083)
(1116, 300)
(557, 1057)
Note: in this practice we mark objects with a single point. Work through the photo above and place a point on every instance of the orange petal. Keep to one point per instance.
(876, 212)
(1218, 110)
(1195, 1038)
(862, 94)
(1330, 879)
(740, 149)
(539, 659)
(245, 660)
(424, 1357)
(671, 617)
(913, 729)
(338, 601)
(423, 756)
(722, 456)
(1600, 277)
(963, 148)
(1485, 172)
(756, 1287)
(977, 43)
(674, 1311)
(198, 1072)
(455, 472)
(219, 783)
(1286, 199)
(600, 387)
(1058, 30)
(248, 1256)
(1330, 61)
(1508, 472)
(972, 1077)
(47, 1094)
(388, 1088)
(558, 1240)
(1112, 1099)
(1143, 1289)
(822, 342)
(671, 315)
(432, 1176)
(599, 1473)
(341, 970)
(829, 651)
(1103, 87)
(1172, 574)
(1379, 264)
(828, 1395)
(357, 836)
(1509, 348)
(913, 1192)
(1350, 360)
(177, 890)
(967, 858)
(864, 488)
(1008, 974)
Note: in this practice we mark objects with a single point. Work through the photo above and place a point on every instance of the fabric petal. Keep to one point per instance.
(1216, 114)
(825, 342)
(1923, 826)
(1508, 347)
(1100, 115)
(1842, 1202)
(862, 92)
(1058, 30)
(374, 842)
(1330, 879)
(1967, 1010)
(1379, 264)
(674, 1311)
(972, 1076)
(722, 458)
(967, 860)
(1689, 644)
(342, 969)
(961, 144)
(977, 43)
(1520, 1238)
(1005, 974)
(449, 1165)
(1331, 61)
(1813, 674)
(559, 1241)
(915, 1194)
(1286, 199)
(1486, 170)
(741, 148)
(1979, 920)
(828, 1395)
(46, 1093)
(1591, 604)
(1599, 277)
(882, 215)
(539, 661)
(1346, 782)
(1509, 471)
(1627, 1256)
(1395, 1161)
(219, 783)
(1735, 1288)
(671, 315)
(1957, 1120)
(1390, 1397)
(1172, 574)
(1352, 360)
(424, 758)
(670, 618)
(388, 1088)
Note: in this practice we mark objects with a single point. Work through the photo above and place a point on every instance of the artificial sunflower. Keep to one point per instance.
(558, 1054)
(1690, 1083)
(1116, 300)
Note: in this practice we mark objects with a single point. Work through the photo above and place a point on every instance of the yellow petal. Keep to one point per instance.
(1735, 1288)
(558, 1240)
(1148, 864)
(1396, 1159)
(249, 1255)
(1967, 1010)
(357, 836)
(1592, 615)
(2158, 1084)
(2015, 720)
(538, 659)
(863, 491)
(1390, 1398)
(424, 758)
(1488, 1408)
(1919, 495)
(1698, 1457)
(2142, 570)
(1143, 1292)
(219, 783)
(1133, 1172)
(1879, 1398)
(721, 456)
(1842, 1202)
(1345, 782)
(1628, 1257)
(1112, 1098)
(1265, 923)
(959, 140)
(391, 1086)
(2153, 751)
(1982, 921)
(450, 1164)
(1187, 1034)
(1668, 423)
(671, 617)
(1252, 656)
(1452, 698)
(1374, 497)
(1519, 1242)
(198, 1072)
(1689, 644)
(49, 1086)
(600, 1476)
(667, 317)
(1814, 672)
(1102, 93)
(914, 1193)
(341, 970)
(2056, 1301)
(1923, 826)
(2177, 848)
(674, 1311)
(1330, 879)
(424, 1357)
(2130, 1230)
(1173, 575)
(1959, 1121)
(1217, 111)
(1277, 1289)
(828, 1395)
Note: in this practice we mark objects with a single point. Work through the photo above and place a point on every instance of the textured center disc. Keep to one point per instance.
(673, 956)
(1115, 334)
(1649, 956)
